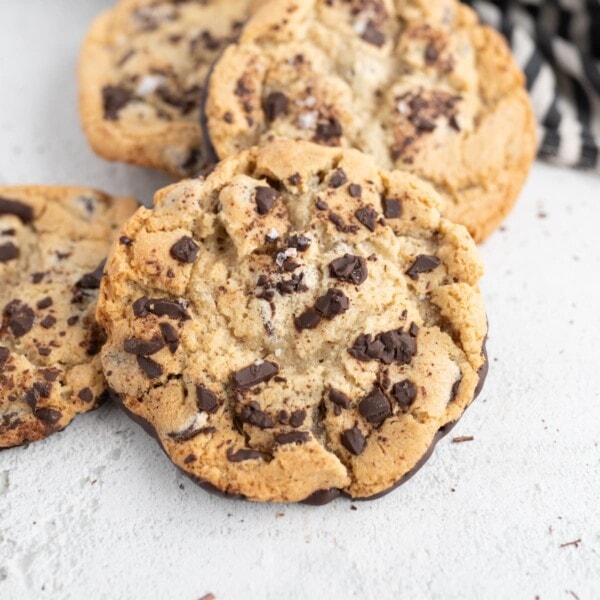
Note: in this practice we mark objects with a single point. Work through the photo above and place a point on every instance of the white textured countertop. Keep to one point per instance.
(98, 511)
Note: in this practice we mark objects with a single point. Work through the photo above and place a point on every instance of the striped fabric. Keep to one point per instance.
(557, 44)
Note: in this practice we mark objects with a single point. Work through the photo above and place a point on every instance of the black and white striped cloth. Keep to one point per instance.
(557, 44)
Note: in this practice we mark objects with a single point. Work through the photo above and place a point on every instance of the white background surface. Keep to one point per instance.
(99, 512)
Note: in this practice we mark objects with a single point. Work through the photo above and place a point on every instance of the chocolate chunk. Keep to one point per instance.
(44, 303)
(162, 307)
(413, 330)
(300, 242)
(20, 317)
(206, 399)
(114, 98)
(339, 399)
(368, 217)
(72, 320)
(328, 130)
(253, 415)
(455, 389)
(190, 458)
(404, 393)
(431, 54)
(293, 437)
(255, 374)
(291, 286)
(355, 190)
(170, 336)
(48, 322)
(23, 211)
(387, 347)
(143, 347)
(150, 367)
(185, 250)
(186, 101)
(265, 197)
(44, 351)
(375, 407)
(392, 208)
(8, 252)
(289, 265)
(48, 416)
(38, 390)
(423, 264)
(91, 281)
(349, 268)
(242, 455)
(354, 441)
(338, 178)
(333, 303)
(125, 240)
(86, 395)
(283, 417)
(37, 277)
(297, 418)
(295, 179)
(321, 204)
(139, 307)
(372, 35)
(4, 355)
(275, 105)
(309, 319)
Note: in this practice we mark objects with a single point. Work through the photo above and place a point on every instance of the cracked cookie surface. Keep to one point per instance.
(52, 241)
(421, 86)
(299, 320)
(142, 70)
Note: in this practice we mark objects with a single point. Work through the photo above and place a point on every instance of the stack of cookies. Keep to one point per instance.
(299, 318)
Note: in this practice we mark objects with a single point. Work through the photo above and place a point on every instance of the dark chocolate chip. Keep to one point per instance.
(349, 268)
(139, 307)
(368, 217)
(150, 367)
(72, 320)
(19, 209)
(44, 351)
(339, 399)
(431, 54)
(404, 393)
(275, 105)
(283, 417)
(293, 437)
(333, 303)
(265, 198)
(8, 252)
(255, 374)
(20, 317)
(114, 98)
(354, 441)
(37, 277)
(372, 35)
(170, 336)
(328, 130)
(47, 322)
(48, 416)
(44, 303)
(423, 264)
(242, 455)
(86, 395)
(190, 458)
(321, 204)
(143, 347)
(253, 415)
(185, 250)
(125, 240)
(392, 208)
(387, 347)
(413, 330)
(355, 190)
(297, 418)
(295, 179)
(91, 281)
(375, 407)
(309, 319)
(206, 400)
(338, 178)
(300, 242)
(162, 307)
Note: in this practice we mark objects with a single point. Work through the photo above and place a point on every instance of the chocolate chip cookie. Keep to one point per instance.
(142, 70)
(298, 321)
(421, 86)
(52, 244)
